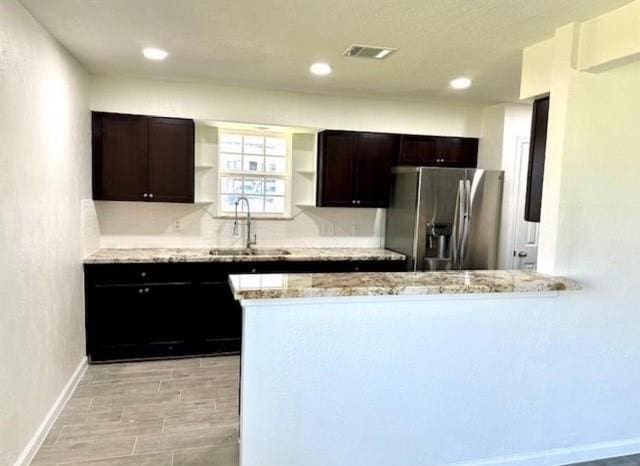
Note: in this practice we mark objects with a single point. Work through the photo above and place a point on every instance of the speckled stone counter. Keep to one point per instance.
(394, 283)
(166, 255)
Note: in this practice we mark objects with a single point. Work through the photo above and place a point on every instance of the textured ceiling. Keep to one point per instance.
(271, 43)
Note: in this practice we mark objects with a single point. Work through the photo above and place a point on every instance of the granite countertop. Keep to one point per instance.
(394, 283)
(162, 255)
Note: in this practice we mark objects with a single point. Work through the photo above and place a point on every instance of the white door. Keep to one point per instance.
(525, 234)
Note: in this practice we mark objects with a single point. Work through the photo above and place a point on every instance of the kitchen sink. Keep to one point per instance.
(248, 252)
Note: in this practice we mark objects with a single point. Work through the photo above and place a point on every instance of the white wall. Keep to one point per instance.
(131, 225)
(492, 137)
(208, 101)
(504, 126)
(523, 379)
(44, 173)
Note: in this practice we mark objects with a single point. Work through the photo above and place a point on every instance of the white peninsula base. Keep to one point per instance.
(464, 379)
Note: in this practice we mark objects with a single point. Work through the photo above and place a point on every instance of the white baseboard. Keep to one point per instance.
(36, 441)
(561, 456)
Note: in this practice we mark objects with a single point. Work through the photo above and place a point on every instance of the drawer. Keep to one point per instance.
(137, 273)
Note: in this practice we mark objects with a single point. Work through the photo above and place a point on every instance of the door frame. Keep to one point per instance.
(521, 158)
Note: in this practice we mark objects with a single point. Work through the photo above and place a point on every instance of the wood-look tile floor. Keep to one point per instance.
(631, 460)
(158, 413)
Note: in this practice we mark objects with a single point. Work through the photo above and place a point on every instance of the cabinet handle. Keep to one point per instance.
(146, 290)
(145, 195)
(253, 270)
(357, 202)
(140, 290)
(143, 274)
(151, 195)
(353, 202)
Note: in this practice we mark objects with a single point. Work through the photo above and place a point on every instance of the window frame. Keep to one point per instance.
(287, 176)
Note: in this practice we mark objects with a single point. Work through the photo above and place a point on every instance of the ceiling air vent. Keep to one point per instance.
(368, 51)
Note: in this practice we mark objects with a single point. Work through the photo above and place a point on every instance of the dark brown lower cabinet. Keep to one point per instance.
(115, 323)
(219, 322)
(146, 311)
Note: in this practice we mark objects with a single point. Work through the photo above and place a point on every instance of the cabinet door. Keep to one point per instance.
(373, 169)
(219, 322)
(418, 150)
(116, 322)
(171, 164)
(457, 152)
(537, 152)
(120, 147)
(337, 151)
(169, 312)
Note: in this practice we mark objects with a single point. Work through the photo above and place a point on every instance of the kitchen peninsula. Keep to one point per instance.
(396, 368)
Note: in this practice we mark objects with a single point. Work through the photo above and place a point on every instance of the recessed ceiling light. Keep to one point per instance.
(460, 83)
(320, 69)
(153, 53)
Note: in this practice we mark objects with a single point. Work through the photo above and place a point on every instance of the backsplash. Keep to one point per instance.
(139, 224)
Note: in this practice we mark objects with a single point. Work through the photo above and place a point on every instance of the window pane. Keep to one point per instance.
(231, 143)
(256, 203)
(231, 162)
(253, 163)
(253, 145)
(276, 146)
(231, 185)
(228, 202)
(254, 186)
(274, 204)
(274, 186)
(275, 164)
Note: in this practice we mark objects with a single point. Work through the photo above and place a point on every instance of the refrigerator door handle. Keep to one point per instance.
(467, 184)
(466, 222)
(458, 227)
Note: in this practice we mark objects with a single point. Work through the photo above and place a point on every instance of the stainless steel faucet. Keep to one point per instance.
(249, 242)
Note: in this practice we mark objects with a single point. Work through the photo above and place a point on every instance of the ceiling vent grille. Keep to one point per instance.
(368, 51)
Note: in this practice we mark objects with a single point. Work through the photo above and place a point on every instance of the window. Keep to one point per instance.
(256, 166)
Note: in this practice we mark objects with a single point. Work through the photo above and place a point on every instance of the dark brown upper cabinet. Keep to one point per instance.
(438, 151)
(537, 152)
(354, 168)
(142, 158)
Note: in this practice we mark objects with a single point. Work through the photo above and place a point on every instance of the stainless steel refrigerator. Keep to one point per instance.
(445, 218)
